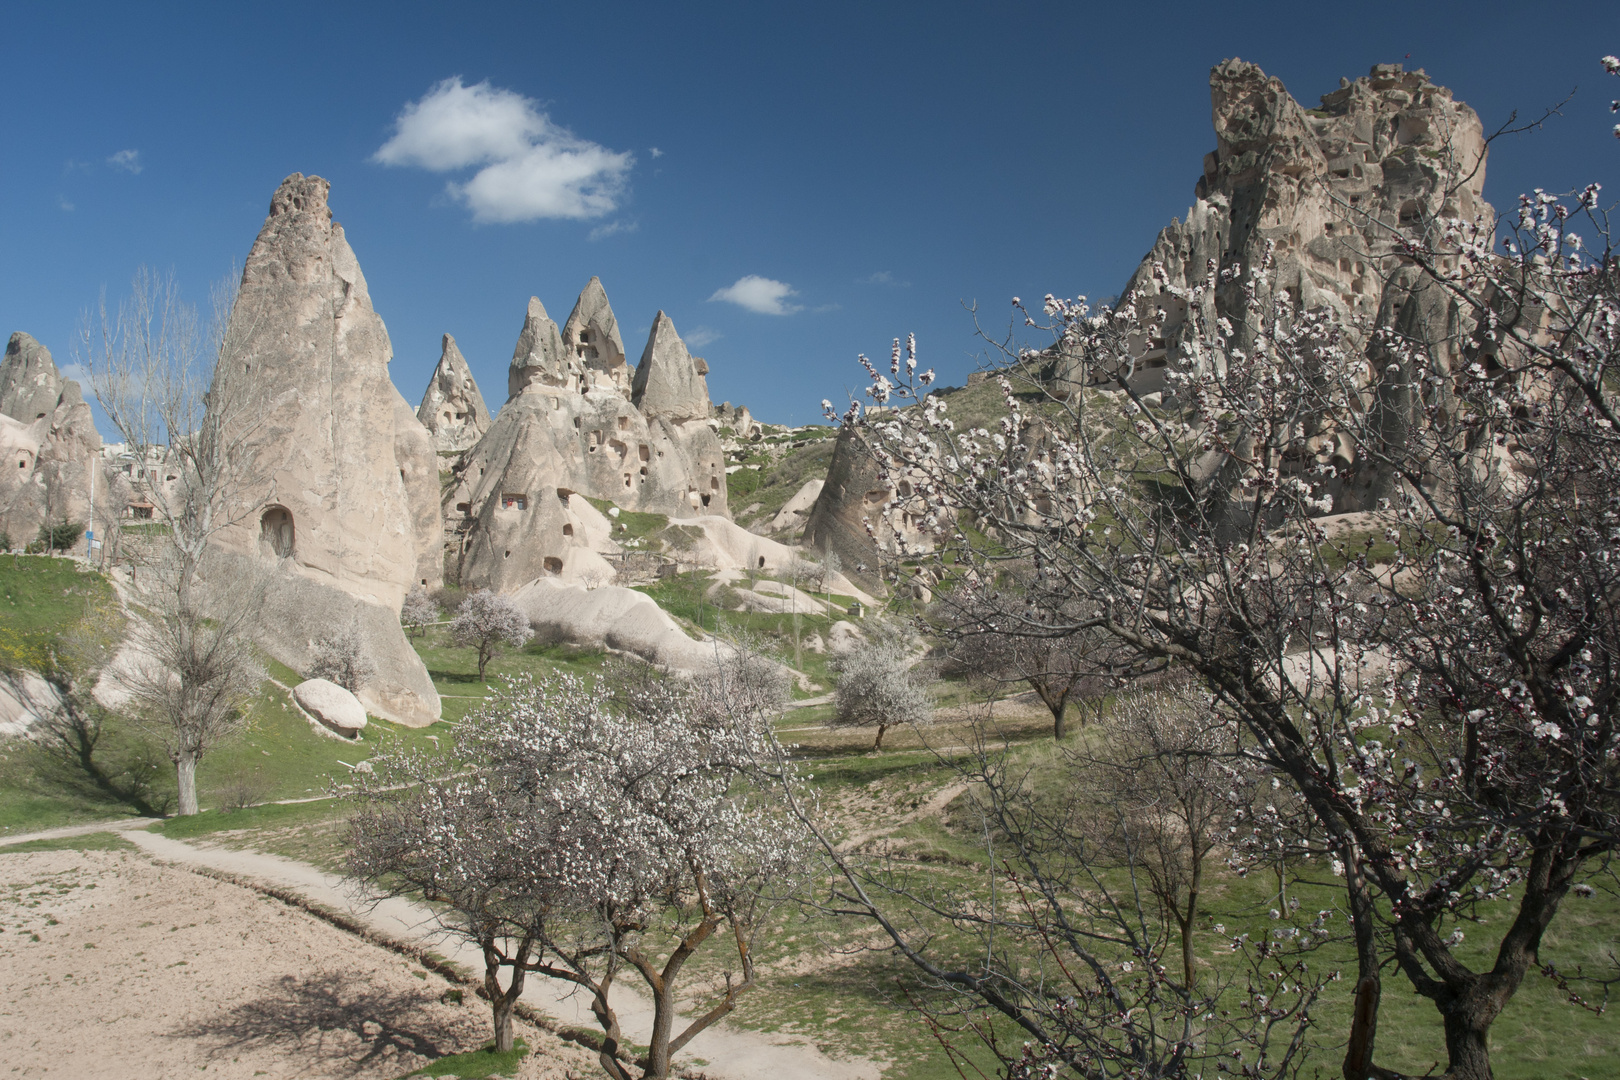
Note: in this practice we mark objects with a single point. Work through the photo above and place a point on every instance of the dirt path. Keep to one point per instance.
(731, 1053)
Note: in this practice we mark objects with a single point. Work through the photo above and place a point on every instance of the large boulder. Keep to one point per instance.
(570, 430)
(338, 499)
(452, 409)
(332, 705)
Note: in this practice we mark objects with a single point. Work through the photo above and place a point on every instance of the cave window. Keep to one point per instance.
(514, 501)
(568, 529)
(705, 499)
(714, 483)
(140, 512)
(553, 565)
(645, 456)
(644, 470)
(626, 479)
(562, 495)
(461, 416)
(275, 530)
(464, 509)
(22, 464)
(1410, 212)
(624, 423)
(762, 562)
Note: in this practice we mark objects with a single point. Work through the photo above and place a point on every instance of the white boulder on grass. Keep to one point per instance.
(332, 705)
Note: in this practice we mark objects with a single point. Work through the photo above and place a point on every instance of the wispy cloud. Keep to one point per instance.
(62, 203)
(127, 160)
(655, 152)
(699, 336)
(760, 295)
(530, 168)
(883, 277)
(613, 228)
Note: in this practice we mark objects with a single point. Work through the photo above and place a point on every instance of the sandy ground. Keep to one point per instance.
(114, 966)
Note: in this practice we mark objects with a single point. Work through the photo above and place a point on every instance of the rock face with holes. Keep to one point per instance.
(338, 499)
(49, 447)
(1329, 194)
(577, 425)
(452, 409)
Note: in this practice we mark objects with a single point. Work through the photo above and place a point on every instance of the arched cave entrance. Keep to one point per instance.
(276, 531)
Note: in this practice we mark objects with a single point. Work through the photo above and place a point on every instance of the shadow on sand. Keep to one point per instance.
(332, 1023)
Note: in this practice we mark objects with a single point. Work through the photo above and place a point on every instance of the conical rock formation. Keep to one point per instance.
(569, 430)
(593, 334)
(452, 409)
(342, 506)
(670, 383)
(49, 447)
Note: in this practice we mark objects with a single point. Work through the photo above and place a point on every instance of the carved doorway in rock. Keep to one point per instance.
(276, 532)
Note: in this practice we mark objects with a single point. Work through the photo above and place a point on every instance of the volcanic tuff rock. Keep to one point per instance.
(1332, 192)
(342, 499)
(452, 409)
(569, 430)
(49, 447)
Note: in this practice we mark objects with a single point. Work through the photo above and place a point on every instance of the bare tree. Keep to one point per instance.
(486, 621)
(1167, 782)
(877, 686)
(1051, 933)
(341, 658)
(419, 611)
(585, 837)
(153, 368)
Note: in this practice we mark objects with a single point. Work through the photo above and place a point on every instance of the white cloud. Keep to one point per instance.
(613, 228)
(883, 277)
(699, 336)
(531, 167)
(128, 160)
(62, 203)
(657, 153)
(760, 295)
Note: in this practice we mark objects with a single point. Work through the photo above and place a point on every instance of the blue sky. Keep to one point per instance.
(887, 163)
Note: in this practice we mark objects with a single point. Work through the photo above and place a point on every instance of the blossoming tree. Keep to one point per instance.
(1435, 675)
(577, 836)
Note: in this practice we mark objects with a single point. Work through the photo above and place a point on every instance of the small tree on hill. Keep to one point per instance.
(877, 687)
(486, 621)
(418, 612)
(339, 658)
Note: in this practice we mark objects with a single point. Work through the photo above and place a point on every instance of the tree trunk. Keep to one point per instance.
(1188, 970)
(1059, 728)
(1468, 1042)
(878, 745)
(658, 1044)
(503, 1023)
(186, 768)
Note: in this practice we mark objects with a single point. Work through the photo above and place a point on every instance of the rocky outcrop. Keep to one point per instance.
(1331, 193)
(49, 448)
(570, 430)
(452, 409)
(338, 498)
(623, 620)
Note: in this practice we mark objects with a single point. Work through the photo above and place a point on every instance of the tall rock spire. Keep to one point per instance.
(670, 382)
(592, 335)
(341, 507)
(539, 358)
(452, 409)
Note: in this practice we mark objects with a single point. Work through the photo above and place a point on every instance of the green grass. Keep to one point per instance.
(96, 841)
(636, 525)
(476, 1064)
(40, 597)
